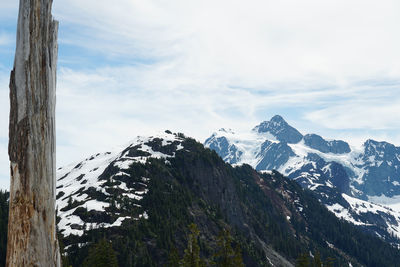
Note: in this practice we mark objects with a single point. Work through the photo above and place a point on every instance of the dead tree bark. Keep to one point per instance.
(32, 237)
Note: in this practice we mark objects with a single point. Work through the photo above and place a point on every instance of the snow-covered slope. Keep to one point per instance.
(328, 167)
(381, 220)
(86, 190)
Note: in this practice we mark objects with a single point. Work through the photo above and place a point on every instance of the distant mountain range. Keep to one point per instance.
(346, 179)
(143, 197)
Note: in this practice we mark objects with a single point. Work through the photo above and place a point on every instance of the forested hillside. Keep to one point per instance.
(196, 200)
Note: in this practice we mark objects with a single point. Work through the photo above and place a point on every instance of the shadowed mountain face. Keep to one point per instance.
(143, 198)
(320, 144)
(327, 167)
(381, 162)
(279, 128)
(273, 155)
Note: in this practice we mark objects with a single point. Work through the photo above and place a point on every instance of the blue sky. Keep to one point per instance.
(136, 67)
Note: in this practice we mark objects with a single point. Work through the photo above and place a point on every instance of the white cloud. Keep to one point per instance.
(246, 43)
(5, 39)
(4, 104)
(235, 55)
(195, 66)
(107, 106)
(362, 115)
(8, 10)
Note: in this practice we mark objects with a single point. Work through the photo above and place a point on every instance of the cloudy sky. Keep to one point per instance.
(136, 67)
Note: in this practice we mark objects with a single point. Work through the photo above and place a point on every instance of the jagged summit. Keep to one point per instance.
(280, 129)
(278, 119)
(374, 145)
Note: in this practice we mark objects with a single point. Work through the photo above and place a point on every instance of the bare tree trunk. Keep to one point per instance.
(32, 237)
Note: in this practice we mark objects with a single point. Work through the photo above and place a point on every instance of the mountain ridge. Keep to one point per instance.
(320, 165)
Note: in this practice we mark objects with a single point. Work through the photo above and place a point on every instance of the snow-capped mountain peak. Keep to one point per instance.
(327, 167)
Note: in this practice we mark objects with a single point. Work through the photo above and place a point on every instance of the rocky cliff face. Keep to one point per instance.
(381, 164)
(317, 142)
(32, 233)
(279, 128)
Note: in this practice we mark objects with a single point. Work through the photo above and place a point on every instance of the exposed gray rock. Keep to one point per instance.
(381, 162)
(32, 237)
(273, 155)
(322, 173)
(227, 151)
(279, 128)
(320, 144)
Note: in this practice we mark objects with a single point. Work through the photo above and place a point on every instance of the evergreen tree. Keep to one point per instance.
(329, 262)
(317, 260)
(202, 263)
(303, 260)
(237, 258)
(191, 257)
(225, 255)
(101, 255)
(173, 258)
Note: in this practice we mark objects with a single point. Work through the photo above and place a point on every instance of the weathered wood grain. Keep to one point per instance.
(31, 232)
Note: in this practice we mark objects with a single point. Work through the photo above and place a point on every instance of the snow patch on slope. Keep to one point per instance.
(359, 207)
(74, 180)
(390, 202)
